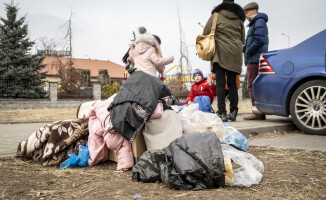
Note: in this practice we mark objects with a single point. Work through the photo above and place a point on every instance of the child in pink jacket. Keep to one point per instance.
(101, 140)
(146, 54)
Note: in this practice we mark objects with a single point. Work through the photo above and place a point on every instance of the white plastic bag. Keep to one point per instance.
(177, 108)
(188, 110)
(250, 171)
(194, 120)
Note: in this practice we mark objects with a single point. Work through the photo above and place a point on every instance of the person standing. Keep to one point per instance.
(256, 43)
(227, 60)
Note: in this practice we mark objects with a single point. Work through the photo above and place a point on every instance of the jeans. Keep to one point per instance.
(204, 103)
(220, 88)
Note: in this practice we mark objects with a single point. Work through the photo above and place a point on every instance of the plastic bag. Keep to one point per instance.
(188, 110)
(198, 121)
(250, 171)
(71, 162)
(83, 155)
(74, 160)
(235, 138)
(184, 164)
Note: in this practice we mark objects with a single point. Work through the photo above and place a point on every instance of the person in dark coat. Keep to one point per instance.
(256, 43)
(227, 60)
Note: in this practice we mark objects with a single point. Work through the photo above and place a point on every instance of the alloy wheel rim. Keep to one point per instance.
(310, 107)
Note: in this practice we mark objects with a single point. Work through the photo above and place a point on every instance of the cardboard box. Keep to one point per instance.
(138, 147)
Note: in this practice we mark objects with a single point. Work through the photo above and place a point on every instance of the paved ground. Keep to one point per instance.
(293, 140)
(12, 134)
(271, 124)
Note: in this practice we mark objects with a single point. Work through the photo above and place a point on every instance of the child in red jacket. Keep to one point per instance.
(201, 87)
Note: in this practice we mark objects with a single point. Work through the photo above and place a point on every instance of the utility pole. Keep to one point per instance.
(68, 34)
(70, 77)
(183, 46)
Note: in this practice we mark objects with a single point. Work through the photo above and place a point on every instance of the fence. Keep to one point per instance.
(51, 102)
(84, 93)
(9, 87)
(179, 88)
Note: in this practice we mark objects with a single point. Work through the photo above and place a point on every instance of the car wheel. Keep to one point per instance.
(308, 107)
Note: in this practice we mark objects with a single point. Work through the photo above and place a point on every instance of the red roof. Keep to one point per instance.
(114, 70)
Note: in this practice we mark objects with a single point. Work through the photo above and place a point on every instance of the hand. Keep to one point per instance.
(163, 77)
(189, 102)
(210, 80)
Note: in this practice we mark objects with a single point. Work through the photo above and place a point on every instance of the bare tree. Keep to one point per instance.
(46, 44)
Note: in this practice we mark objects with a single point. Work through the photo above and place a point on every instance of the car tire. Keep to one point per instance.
(308, 107)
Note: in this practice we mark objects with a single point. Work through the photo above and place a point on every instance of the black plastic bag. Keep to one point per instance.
(194, 161)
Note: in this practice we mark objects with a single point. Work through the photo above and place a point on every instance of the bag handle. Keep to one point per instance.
(213, 28)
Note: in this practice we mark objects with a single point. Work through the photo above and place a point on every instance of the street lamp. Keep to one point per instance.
(288, 39)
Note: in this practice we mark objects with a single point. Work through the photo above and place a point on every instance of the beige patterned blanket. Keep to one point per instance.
(50, 144)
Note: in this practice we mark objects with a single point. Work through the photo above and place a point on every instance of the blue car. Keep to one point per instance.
(293, 82)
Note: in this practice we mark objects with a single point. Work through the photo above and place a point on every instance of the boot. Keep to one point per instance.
(255, 117)
(223, 116)
(233, 115)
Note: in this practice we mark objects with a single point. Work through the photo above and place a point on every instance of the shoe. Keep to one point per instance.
(233, 115)
(223, 117)
(255, 117)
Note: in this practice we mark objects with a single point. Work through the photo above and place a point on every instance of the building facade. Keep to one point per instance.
(105, 72)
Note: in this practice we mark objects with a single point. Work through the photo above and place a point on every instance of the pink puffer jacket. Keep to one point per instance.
(146, 59)
(100, 140)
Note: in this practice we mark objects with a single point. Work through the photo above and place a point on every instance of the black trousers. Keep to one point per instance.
(220, 88)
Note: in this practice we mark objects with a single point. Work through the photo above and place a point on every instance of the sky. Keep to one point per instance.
(102, 29)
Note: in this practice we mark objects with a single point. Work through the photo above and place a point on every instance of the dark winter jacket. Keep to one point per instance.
(143, 89)
(229, 36)
(202, 88)
(257, 38)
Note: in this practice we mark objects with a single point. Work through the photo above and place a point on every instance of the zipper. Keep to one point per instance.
(197, 90)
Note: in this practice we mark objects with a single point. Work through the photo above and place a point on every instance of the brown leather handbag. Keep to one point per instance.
(205, 44)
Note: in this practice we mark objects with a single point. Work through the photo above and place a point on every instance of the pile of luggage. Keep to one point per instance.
(178, 145)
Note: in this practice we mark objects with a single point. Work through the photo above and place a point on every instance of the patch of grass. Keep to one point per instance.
(38, 114)
(288, 174)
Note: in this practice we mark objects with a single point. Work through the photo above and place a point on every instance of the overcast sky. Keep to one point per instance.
(102, 29)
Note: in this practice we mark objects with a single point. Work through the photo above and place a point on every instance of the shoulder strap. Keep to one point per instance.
(214, 23)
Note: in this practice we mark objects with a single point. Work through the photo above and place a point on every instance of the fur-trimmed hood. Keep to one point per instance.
(144, 36)
(233, 7)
